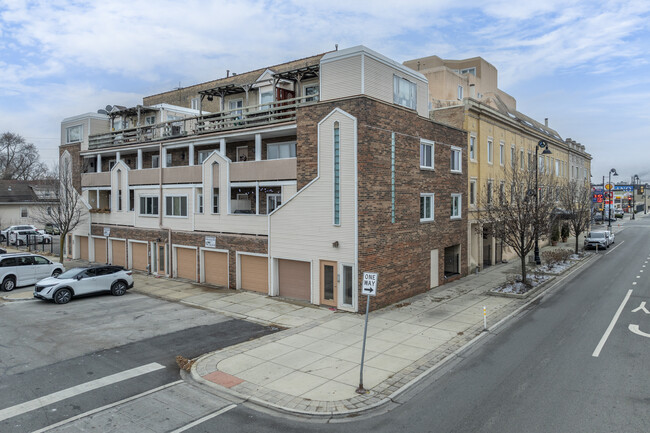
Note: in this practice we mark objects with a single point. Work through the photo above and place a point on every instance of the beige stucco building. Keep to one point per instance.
(464, 94)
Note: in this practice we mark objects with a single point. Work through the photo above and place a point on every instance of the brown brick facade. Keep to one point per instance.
(231, 243)
(400, 252)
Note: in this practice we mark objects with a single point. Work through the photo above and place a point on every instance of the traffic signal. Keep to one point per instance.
(641, 189)
(629, 201)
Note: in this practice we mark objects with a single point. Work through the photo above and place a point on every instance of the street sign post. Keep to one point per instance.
(368, 287)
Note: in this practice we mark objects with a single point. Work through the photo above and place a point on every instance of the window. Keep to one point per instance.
(148, 205)
(489, 191)
(131, 200)
(502, 193)
(168, 159)
(456, 154)
(456, 201)
(203, 155)
(426, 207)
(111, 164)
(502, 153)
(74, 134)
(150, 120)
(155, 161)
(23, 212)
(234, 105)
(541, 164)
(557, 167)
(426, 154)
(489, 151)
(468, 71)
(195, 103)
(513, 152)
(521, 159)
(280, 150)
(472, 192)
(119, 199)
(472, 148)
(215, 200)
(265, 99)
(311, 90)
(460, 92)
(273, 201)
(199, 200)
(347, 284)
(337, 174)
(404, 92)
(176, 206)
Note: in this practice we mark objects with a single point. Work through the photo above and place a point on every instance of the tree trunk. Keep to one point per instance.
(577, 243)
(62, 236)
(523, 269)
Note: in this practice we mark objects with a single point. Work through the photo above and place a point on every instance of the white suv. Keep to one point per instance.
(84, 281)
(24, 269)
(4, 234)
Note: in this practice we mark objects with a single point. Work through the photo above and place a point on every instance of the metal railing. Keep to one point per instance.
(239, 118)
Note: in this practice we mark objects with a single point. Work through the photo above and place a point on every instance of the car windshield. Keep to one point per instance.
(597, 235)
(71, 273)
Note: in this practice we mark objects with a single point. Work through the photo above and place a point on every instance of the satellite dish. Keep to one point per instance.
(102, 111)
(109, 108)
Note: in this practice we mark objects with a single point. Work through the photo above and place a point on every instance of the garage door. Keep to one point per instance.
(100, 250)
(83, 247)
(118, 253)
(139, 256)
(294, 279)
(215, 267)
(186, 263)
(254, 273)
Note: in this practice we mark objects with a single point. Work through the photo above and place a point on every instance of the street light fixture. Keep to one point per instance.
(635, 180)
(543, 145)
(610, 196)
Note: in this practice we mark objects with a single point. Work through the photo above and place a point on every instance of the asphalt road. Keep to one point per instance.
(60, 361)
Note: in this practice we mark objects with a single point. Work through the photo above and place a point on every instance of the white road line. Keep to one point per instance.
(611, 325)
(613, 248)
(40, 402)
(205, 418)
(103, 408)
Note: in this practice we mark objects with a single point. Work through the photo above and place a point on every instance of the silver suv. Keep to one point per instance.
(598, 240)
(24, 269)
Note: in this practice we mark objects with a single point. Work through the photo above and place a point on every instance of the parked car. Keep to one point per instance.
(24, 237)
(52, 229)
(47, 238)
(618, 213)
(4, 234)
(599, 239)
(610, 236)
(84, 281)
(24, 269)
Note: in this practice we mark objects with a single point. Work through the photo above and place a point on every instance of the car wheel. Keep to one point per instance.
(2, 238)
(62, 296)
(56, 273)
(118, 288)
(8, 284)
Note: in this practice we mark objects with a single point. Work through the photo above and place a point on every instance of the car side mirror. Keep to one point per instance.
(79, 277)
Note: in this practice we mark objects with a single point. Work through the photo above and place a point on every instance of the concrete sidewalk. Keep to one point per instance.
(312, 367)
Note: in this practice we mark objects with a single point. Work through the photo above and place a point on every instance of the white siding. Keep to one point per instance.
(341, 78)
(302, 228)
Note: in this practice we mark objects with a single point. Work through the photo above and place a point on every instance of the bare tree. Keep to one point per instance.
(20, 160)
(575, 199)
(512, 214)
(68, 212)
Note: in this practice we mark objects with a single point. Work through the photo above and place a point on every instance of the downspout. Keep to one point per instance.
(160, 211)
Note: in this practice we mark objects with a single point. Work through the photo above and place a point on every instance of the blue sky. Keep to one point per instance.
(581, 63)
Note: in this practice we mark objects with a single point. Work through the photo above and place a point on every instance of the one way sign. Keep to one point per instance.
(369, 286)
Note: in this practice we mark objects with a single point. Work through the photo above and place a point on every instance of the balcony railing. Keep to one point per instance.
(239, 118)
(96, 179)
(267, 170)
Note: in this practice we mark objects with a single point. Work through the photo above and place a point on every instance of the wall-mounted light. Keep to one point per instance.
(210, 98)
(335, 244)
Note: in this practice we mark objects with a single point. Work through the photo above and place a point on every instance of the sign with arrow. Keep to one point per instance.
(369, 285)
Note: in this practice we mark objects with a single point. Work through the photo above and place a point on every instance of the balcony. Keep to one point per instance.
(185, 174)
(246, 117)
(268, 170)
(95, 179)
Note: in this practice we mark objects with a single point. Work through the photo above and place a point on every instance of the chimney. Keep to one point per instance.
(546, 122)
(336, 47)
(227, 73)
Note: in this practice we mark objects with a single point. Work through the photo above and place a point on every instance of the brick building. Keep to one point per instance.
(291, 180)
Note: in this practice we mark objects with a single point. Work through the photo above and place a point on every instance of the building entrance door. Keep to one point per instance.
(328, 287)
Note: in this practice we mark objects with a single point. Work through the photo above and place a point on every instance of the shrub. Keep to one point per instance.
(565, 231)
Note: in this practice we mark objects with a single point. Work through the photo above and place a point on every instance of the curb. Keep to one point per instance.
(547, 286)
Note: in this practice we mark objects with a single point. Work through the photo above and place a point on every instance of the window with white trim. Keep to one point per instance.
(521, 159)
(502, 193)
(23, 212)
(311, 90)
(472, 192)
(195, 103)
(74, 134)
(502, 153)
(176, 205)
(426, 154)
(155, 161)
(426, 207)
(273, 201)
(150, 120)
(489, 191)
(148, 205)
(199, 200)
(404, 92)
(460, 92)
(215, 200)
(456, 158)
(233, 106)
(513, 153)
(489, 150)
(265, 99)
(168, 159)
(203, 155)
(337, 174)
(456, 203)
(281, 150)
(472, 147)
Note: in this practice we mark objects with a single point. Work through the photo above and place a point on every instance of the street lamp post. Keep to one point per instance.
(610, 197)
(542, 144)
(635, 180)
(645, 199)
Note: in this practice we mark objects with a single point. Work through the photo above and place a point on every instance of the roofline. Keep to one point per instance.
(85, 116)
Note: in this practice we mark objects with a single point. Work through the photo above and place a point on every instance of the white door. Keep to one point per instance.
(87, 282)
(25, 271)
(42, 268)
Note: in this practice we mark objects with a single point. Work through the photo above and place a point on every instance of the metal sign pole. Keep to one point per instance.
(360, 389)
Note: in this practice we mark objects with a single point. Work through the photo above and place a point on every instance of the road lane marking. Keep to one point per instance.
(103, 408)
(637, 331)
(205, 418)
(55, 397)
(611, 325)
(613, 248)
